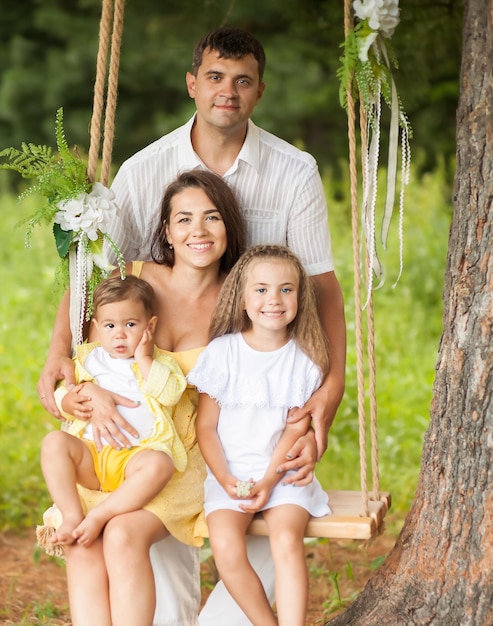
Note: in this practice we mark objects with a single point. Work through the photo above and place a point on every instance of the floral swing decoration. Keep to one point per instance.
(79, 212)
(367, 64)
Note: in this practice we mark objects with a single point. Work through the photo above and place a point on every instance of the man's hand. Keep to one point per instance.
(58, 364)
(323, 404)
(321, 407)
(301, 458)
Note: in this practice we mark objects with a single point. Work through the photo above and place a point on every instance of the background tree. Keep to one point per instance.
(439, 571)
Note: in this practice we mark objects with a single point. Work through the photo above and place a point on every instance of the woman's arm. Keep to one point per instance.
(107, 422)
(58, 364)
(301, 458)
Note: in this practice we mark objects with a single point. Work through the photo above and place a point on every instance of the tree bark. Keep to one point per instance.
(441, 568)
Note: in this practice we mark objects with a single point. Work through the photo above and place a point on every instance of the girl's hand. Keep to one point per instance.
(229, 484)
(301, 458)
(106, 419)
(259, 495)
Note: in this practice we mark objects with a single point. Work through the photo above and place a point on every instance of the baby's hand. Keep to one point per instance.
(76, 402)
(145, 347)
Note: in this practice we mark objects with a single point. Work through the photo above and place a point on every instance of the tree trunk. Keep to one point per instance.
(441, 568)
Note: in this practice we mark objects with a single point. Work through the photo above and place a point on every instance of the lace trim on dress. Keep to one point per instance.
(264, 389)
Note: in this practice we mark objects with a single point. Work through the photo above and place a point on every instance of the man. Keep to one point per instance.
(281, 193)
(277, 186)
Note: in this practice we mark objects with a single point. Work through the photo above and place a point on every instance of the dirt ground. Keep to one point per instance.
(33, 589)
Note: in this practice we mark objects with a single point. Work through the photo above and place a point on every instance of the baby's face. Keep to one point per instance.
(120, 326)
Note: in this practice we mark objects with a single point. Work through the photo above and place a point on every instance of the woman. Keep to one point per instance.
(199, 237)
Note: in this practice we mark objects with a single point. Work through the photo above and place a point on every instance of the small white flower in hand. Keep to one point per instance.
(244, 487)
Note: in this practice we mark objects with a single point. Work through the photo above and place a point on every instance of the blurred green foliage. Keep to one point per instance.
(48, 54)
(408, 328)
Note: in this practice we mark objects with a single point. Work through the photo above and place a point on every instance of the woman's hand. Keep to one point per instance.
(107, 422)
(57, 367)
(301, 458)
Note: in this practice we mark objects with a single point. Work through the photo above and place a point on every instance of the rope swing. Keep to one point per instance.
(79, 209)
(355, 221)
(111, 24)
(352, 517)
(107, 63)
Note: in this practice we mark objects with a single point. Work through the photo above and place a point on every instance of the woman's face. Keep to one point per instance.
(196, 229)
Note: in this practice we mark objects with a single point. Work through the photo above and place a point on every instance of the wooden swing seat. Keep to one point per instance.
(346, 521)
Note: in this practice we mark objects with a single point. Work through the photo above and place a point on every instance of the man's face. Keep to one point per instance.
(225, 90)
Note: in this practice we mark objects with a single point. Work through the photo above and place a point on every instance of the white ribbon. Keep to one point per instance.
(371, 158)
(78, 289)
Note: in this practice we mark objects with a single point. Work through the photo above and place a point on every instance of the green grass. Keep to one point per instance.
(408, 327)
(27, 310)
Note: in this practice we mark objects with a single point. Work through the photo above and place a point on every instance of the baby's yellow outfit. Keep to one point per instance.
(180, 504)
(161, 391)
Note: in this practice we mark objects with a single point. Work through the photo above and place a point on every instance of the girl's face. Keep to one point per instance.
(271, 294)
(196, 229)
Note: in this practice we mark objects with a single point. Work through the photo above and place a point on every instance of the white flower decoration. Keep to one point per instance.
(90, 213)
(382, 15)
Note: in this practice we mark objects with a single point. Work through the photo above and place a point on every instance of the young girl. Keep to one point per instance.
(267, 355)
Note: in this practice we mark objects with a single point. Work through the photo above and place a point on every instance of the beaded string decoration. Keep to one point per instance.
(367, 64)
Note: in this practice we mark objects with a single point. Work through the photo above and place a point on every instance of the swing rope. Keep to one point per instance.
(111, 24)
(110, 27)
(372, 379)
(353, 170)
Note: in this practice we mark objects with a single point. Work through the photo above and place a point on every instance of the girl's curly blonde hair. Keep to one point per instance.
(230, 317)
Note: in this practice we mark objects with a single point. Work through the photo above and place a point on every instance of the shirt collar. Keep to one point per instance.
(189, 159)
(249, 153)
(250, 150)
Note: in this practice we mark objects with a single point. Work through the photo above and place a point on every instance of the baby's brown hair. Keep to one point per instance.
(116, 289)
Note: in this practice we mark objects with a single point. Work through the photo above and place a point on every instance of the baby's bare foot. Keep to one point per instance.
(88, 530)
(64, 534)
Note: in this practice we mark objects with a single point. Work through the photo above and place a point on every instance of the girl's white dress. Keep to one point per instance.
(255, 390)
